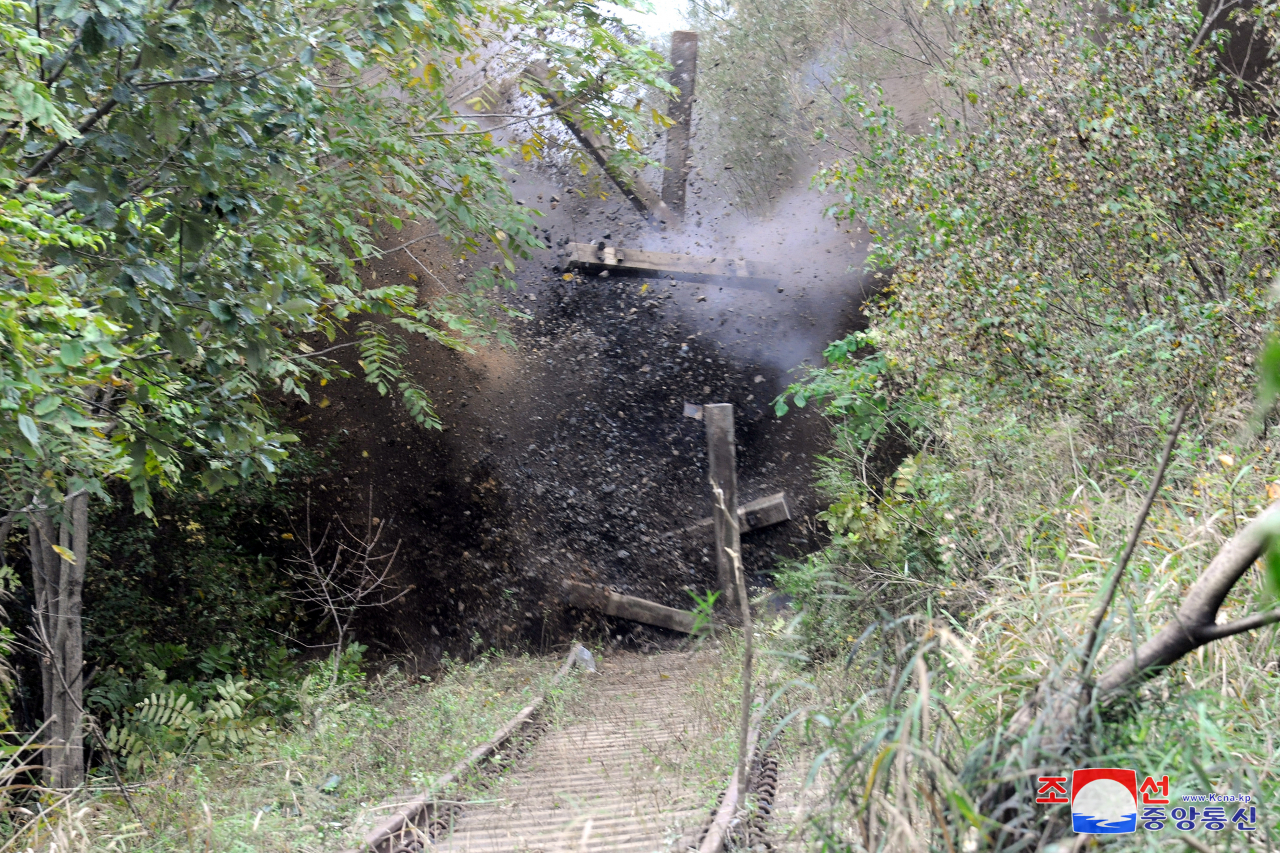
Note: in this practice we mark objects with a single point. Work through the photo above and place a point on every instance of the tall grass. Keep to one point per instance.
(319, 786)
(1027, 522)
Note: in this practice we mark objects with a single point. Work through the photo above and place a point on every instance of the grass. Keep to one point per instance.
(908, 709)
(320, 786)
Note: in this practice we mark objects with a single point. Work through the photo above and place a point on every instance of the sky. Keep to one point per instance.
(667, 15)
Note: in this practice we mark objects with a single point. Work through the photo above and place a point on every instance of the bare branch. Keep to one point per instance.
(1194, 623)
(1091, 640)
(353, 579)
(1238, 626)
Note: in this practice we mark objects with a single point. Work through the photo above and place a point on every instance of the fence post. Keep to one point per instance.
(722, 459)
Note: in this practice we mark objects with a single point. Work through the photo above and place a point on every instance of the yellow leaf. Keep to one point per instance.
(323, 381)
(1273, 491)
(364, 453)
(412, 276)
(1227, 460)
(567, 276)
(662, 120)
(499, 236)
(324, 403)
(65, 554)
(644, 287)
(431, 77)
(286, 535)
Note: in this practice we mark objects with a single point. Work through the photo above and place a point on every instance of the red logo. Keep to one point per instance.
(1052, 789)
(1104, 800)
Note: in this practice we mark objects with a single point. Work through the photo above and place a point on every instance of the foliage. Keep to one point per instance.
(206, 572)
(229, 169)
(889, 498)
(1099, 237)
(168, 722)
(1084, 239)
(928, 675)
(52, 345)
(321, 781)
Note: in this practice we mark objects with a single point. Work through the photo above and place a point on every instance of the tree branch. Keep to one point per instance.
(1229, 629)
(1193, 625)
(1091, 640)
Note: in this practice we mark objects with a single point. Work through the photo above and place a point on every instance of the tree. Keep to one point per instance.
(194, 187)
(1087, 236)
(1095, 235)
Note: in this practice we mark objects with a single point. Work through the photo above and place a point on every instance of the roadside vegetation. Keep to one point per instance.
(1077, 320)
(319, 776)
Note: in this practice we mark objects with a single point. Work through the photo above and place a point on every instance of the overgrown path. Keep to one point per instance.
(635, 767)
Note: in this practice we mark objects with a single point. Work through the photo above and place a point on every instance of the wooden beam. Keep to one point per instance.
(639, 193)
(761, 512)
(684, 73)
(686, 267)
(587, 597)
(722, 461)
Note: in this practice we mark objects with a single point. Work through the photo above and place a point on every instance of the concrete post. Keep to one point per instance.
(684, 74)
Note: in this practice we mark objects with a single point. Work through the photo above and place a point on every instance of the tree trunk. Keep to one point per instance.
(59, 583)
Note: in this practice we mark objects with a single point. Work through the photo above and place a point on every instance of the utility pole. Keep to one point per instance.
(684, 75)
(722, 459)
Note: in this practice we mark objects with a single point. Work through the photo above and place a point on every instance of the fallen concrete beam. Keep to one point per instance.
(684, 73)
(639, 193)
(761, 512)
(686, 267)
(588, 597)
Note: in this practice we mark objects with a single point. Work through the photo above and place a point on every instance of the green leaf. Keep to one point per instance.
(1268, 380)
(32, 106)
(71, 353)
(1271, 563)
(28, 428)
(46, 405)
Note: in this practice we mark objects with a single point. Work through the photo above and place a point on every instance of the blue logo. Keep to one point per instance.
(1104, 800)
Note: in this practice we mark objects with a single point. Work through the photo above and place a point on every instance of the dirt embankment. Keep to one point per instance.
(570, 456)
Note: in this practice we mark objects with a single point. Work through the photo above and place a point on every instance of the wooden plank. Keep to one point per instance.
(588, 597)
(765, 512)
(761, 512)
(722, 460)
(691, 267)
(684, 75)
(639, 193)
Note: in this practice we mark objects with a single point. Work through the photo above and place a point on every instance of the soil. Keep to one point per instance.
(569, 456)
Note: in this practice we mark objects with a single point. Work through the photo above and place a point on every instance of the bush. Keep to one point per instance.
(1084, 244)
